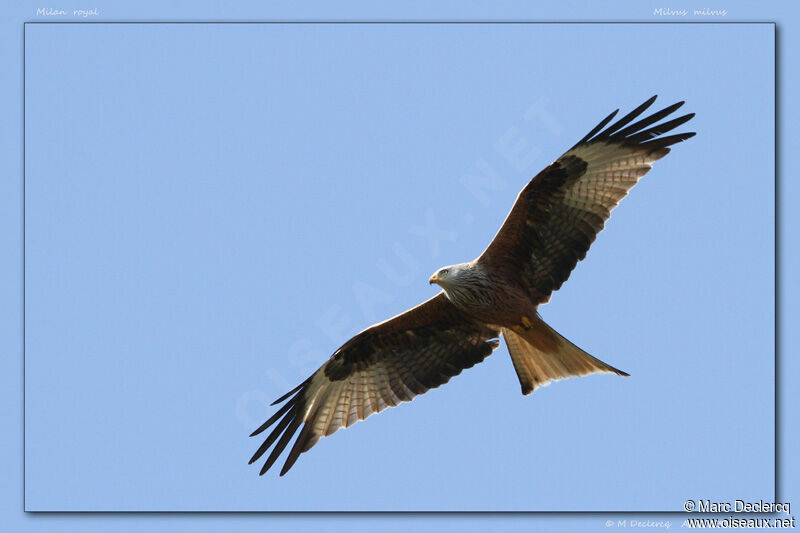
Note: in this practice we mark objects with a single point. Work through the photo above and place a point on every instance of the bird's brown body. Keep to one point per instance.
(554, 221)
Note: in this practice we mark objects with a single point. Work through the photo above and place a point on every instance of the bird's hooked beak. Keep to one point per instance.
(434, 279)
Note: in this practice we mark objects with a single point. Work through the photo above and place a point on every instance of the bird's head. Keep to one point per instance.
(449, 275)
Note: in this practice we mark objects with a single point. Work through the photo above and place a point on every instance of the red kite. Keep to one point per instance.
(553, 222)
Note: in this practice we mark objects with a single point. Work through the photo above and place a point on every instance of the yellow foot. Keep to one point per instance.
(526, 323)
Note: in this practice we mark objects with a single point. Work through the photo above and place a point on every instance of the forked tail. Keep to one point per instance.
(541, 355)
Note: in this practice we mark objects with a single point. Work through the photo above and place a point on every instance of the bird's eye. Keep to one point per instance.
(443, 273)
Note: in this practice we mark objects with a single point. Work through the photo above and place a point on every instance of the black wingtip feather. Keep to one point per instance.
(663, 142)
(598, 127)
(272, 419)
(279, 400)
(623, 132)
(629, 117)
(290, 416)
(297, 449)
(655, 131)
(289, 419)
(281, 445)
(652, 119)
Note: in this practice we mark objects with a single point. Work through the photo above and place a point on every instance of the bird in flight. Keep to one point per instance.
(552, 224)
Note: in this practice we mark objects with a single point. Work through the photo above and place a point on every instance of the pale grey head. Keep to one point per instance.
(464, 283)
(452, 275)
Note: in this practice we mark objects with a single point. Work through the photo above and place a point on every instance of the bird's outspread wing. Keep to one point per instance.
(388, 363)
(560, 212)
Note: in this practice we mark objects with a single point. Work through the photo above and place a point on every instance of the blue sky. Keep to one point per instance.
(212, 210)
